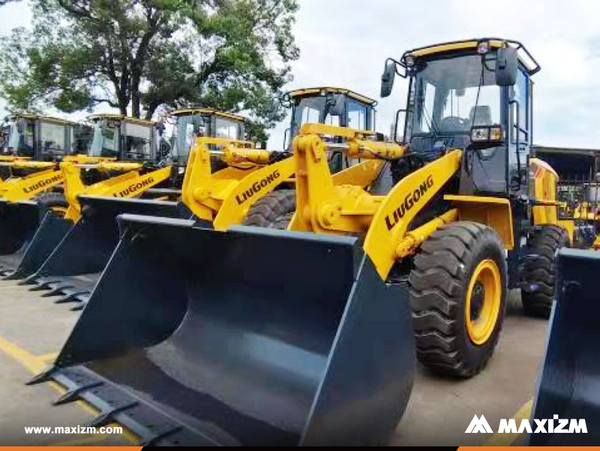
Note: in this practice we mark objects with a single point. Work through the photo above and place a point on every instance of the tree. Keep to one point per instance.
(141, 55)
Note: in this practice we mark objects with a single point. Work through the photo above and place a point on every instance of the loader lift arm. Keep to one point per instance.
(132, 183)
(327, 207)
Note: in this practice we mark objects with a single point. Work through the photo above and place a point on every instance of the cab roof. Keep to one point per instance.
(95, 117)
(34, 117)
(525, 57)
(328, 89)
(207, 111)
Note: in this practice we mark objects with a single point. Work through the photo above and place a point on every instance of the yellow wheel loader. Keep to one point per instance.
(36, 234)
(73, 265)
(32, 148)
(227, 175)
(308, 335)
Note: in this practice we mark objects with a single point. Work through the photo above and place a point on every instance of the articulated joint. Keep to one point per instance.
(413, 239)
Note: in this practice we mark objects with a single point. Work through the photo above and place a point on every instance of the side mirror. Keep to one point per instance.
(286, 139)
(506, 66)
(338, 106)
(387, 79)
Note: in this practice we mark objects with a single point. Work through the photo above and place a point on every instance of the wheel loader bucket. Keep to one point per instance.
(569, 384)
(72, 269)
(28, 234)
(250, 336)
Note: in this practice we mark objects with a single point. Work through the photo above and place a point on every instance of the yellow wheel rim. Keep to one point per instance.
(484, 297)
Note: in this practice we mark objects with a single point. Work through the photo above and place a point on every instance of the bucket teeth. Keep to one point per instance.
(108, 417)
(73, 297)
(44, 285)
(58, 290)
(80, 305)
(73, 395)
(30, 280)
(11, 275)
(44, 376)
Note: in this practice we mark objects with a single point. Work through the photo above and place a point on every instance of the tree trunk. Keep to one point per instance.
(135, 104)
(151, 109)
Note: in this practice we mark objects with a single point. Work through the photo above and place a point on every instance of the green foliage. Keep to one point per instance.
(140, 55)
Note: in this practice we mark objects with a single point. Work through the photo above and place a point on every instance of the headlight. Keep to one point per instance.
(409, 61)
(496, 134)
(480, 134)
(484, 134)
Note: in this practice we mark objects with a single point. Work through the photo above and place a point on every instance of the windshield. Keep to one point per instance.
(14, 137)
(227, 128)
(82, 137)
(138, 141)
(186, 129)
(53, 138)
(454, 94)
(314, 110)
(358, 115)
(106, 139)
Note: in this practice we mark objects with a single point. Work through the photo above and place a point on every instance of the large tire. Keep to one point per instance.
(458, 295)
(273, 211)
(54, 202)
(539, 269)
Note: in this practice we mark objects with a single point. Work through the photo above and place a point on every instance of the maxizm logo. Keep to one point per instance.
(257, 187)
(43, 183)
(410, 201)
(134, 187)
(554, 425)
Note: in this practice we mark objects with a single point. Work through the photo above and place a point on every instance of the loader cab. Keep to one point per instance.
(473, 95)
(330, 106)
(124, 138)
(195, 122)
(39, 138)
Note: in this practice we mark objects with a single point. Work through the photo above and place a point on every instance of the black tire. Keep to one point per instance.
(439, 283)
(54, 202)
(274, 211)
(539, 269)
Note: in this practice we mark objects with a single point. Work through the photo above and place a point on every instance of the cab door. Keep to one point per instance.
(520, 136)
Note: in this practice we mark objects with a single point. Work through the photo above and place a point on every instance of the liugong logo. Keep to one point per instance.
(551, 426)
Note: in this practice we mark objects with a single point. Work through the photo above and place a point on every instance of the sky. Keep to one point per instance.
(345, 43)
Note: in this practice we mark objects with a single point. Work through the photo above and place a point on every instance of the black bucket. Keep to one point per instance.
(570, 383)
(74, 266)
(28, 234)
(250, 336)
